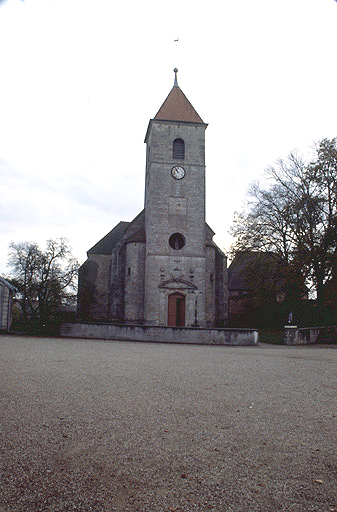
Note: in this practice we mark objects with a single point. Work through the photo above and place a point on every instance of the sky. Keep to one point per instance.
(80, 80)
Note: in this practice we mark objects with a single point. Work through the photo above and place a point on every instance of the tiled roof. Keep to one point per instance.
(139, 236)
(108, 242)
(244, 261)
(176, 107)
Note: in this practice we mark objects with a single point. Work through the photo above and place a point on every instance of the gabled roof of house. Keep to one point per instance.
(6, 283)
(237, 271)
(108, 242)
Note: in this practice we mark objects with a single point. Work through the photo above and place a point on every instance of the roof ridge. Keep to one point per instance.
(106, 244)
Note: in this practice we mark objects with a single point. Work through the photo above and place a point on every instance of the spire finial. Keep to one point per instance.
(175, 77)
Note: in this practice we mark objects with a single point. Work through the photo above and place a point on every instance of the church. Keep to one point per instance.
(162, 268)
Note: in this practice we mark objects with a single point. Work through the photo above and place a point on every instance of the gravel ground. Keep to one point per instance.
(110, 426)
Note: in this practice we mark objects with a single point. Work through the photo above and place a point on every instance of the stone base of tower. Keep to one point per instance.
(155, 334)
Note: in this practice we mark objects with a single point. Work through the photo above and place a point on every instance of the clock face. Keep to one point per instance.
(178, 172)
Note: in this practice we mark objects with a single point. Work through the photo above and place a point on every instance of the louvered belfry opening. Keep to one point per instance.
(178, 149)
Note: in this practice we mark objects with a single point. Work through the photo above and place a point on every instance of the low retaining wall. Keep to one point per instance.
(305, 335)
(194, 335)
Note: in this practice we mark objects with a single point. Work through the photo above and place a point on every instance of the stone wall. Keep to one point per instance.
(118, 269)
(221, 289)
(134, 282)
(156, 334)
(210, 284)
(93, 287)
(308, 335)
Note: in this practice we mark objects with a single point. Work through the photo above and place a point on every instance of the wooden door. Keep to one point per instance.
(176, 310)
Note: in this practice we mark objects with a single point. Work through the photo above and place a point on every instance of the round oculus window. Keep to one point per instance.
(177, 241)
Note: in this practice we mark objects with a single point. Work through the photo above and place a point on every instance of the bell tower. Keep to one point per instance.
(175, 228)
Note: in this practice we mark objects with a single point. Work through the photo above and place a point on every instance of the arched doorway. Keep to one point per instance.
(176, 310)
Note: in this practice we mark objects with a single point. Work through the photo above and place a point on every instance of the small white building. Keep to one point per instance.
(6, 304)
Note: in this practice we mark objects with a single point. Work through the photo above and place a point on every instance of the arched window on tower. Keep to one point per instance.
(178, 149)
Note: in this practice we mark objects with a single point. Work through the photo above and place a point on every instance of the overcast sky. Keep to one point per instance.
(79, 81)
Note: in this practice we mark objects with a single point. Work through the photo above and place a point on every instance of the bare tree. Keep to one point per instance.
(46, 279)
(296, 218)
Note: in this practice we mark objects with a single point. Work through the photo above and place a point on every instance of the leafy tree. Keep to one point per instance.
(255, 277)
(46, 279)
(296, 218)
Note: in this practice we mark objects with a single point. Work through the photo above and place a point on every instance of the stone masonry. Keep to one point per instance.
(163, 268)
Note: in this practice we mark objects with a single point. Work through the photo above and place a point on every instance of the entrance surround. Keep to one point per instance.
(176, 288)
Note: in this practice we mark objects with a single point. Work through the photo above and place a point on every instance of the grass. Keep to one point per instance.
(273, 336)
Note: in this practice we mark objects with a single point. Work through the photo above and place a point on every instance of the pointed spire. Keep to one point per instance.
(175, 77)
(176, 107)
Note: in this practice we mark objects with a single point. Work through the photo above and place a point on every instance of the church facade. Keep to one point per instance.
(162, 268)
